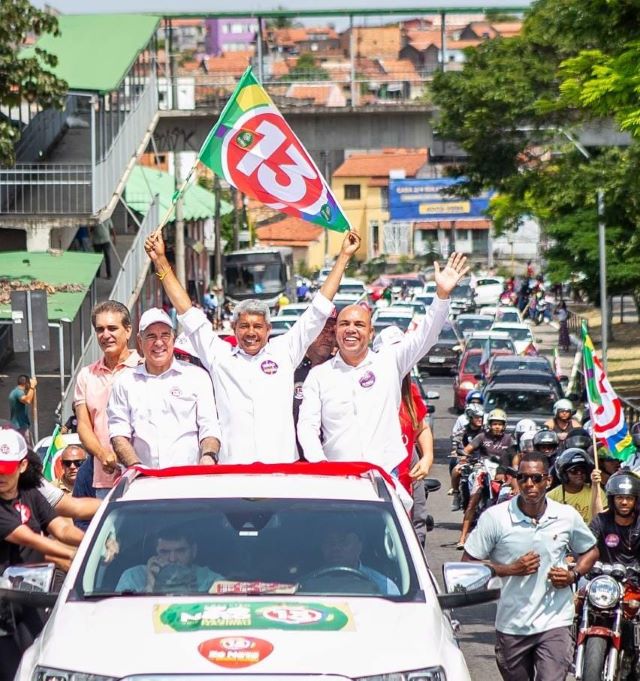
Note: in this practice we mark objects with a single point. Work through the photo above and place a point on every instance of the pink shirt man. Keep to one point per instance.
(93, 388)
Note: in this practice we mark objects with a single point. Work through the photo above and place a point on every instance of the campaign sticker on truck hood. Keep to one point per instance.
(235, 651)
(188, 617)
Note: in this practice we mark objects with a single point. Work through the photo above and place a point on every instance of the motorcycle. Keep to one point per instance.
(608, 632)
(480, 472)
(541, 311)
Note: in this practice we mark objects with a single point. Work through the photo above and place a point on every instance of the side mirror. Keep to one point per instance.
(29, 585)
(468, 584)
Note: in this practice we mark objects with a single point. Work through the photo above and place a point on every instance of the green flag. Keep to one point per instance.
(253, 148)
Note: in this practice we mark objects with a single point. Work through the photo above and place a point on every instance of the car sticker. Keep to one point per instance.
(190, 617)
(235, 651)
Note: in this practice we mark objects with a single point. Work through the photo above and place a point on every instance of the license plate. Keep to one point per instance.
(436, 360)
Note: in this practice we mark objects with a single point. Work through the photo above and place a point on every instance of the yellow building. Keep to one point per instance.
(361, 185)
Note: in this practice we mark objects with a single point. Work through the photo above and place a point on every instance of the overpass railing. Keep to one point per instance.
(126, 288)
(211, 91)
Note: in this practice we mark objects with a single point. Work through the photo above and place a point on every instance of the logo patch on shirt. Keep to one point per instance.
(24, 511)
(367, 379)
(297, 391)
(176, 392)
(612, 540)
(269, 367)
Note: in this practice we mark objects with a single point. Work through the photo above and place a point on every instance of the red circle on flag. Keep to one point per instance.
(263, 158)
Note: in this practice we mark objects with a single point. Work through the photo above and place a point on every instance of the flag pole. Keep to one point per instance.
(593, 422)
(166, 217)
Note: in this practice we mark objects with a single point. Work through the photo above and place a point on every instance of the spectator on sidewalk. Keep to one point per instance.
(72, 457)
(112, 324)
(20, 398)
(103, 235)
(562, 315)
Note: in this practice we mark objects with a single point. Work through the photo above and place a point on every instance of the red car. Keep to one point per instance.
(467, 377)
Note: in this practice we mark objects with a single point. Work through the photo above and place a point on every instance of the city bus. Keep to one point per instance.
(263, 273)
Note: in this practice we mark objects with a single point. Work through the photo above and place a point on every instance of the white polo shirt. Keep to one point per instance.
(356, 408)
(165, 416)
(254, 393)
(530, 604)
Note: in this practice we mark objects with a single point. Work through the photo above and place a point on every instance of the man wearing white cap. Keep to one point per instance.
(253, 381)
(353, 399)
(163, 413)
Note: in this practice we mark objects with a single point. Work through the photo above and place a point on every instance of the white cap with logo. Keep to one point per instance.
(13, 450)
(154, 315)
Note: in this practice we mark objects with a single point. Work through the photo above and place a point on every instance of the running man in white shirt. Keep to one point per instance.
(253, 382)
(353, 399)
(162, 413)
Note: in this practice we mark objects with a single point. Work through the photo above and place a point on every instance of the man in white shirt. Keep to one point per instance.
(163, 413)
(254, 381)
(353, 399)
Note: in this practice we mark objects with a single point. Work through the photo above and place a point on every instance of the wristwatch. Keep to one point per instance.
(576, 575)
(213, 455)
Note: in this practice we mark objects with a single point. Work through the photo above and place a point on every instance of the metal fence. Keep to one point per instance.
(109, 171)
(125, 289)
(51, 188)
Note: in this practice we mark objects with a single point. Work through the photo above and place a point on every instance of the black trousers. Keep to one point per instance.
(105, 249)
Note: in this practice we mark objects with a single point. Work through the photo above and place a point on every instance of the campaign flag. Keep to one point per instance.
(556, 362)
(605, 407)
(253, 148)
(485, 356)
(53, 454)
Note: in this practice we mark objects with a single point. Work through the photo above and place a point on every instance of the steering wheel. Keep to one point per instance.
(340, 570)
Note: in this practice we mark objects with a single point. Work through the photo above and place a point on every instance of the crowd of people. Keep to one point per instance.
(324, 390)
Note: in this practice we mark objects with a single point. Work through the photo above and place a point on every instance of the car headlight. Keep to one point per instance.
(604, 592)
(430, 674)
(48, 674)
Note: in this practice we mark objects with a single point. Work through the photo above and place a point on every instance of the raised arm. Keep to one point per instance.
(154, 246)
(349, 246)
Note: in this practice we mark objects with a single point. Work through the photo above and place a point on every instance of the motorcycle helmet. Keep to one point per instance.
(474, 395)
(497, 415)
(526, 442)
(578, 437)
(545, 438)
(635, 435)
(474, 411)
(622, 483)
(562, 405)
(523, 426)
(570, 458)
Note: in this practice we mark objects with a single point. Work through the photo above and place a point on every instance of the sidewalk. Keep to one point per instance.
(48, 363)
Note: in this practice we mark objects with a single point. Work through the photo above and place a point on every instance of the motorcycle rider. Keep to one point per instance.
(573, 467)
(562, 421)
(473, 397)
(475, 417)
(608, 464)
(524, 432)
(617, 530)
(546, 442)
(493, 442)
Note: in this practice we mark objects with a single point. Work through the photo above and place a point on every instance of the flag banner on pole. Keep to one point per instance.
(556, 362)
(253, 148)
(53, 454)
(607, 416)
(485, 356)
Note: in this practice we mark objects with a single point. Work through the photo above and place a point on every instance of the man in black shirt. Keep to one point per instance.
(617, 530)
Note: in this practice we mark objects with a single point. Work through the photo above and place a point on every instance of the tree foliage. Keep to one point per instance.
(510, 109)
(24, 79)
(306, 69)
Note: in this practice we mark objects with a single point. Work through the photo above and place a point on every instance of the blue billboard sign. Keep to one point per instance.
(416, 200)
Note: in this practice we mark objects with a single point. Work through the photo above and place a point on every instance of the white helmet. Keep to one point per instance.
(562, 405)
(525, 426)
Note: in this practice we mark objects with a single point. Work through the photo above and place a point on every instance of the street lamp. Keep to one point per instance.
(604, 303)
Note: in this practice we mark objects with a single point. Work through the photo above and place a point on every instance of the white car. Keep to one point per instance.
(497, 340)
(292, 310)
(236, 571)
(401, 317)
(418, 308)
(488, 290)
(520, 334)
(508, 313)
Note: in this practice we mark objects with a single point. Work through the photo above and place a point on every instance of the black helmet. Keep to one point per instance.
(546, 438)
(578, 437)
(570, 458)
(635, 434)
(623, 483)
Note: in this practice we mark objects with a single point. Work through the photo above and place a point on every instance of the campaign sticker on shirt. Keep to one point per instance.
(235, 651)
(24, 511)
(297, 391)
(367, 379)
(269, 367)
(612, 540)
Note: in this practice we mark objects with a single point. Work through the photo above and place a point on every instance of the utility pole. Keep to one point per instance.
(179, 237)
(604, 302)
(216, 226)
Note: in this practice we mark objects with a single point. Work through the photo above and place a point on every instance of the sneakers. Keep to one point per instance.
(455, 501)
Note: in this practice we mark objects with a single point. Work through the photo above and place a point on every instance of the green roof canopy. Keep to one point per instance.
(95, 51)
(66, 268)
(144, 183)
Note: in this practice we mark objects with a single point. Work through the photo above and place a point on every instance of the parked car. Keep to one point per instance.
(262, 587)
(470, 323)
(521, 336)
(444, 355)
(469, 375)
(488, 290)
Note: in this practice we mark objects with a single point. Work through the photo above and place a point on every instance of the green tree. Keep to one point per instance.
(306, 69)
(24, 76)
